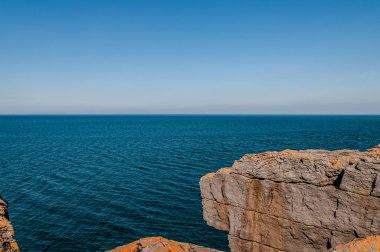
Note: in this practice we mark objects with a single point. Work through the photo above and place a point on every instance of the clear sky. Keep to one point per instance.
(190, 56)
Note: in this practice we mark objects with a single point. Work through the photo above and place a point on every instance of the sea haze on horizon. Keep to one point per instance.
(189, 57)
(92, 183)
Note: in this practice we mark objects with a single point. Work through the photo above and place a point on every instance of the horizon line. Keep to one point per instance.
(187, 114)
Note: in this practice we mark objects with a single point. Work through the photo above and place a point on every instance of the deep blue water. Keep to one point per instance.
(90, 183)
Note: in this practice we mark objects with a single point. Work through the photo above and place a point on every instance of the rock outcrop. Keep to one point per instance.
(7, 240)
(160, 244)
(370, 244)
(309, 200)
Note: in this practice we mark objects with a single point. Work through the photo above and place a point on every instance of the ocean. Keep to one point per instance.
(91, 183)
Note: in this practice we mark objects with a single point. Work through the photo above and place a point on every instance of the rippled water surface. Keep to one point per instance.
(90, 183)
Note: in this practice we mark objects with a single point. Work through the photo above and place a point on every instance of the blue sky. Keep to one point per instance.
(137, 56)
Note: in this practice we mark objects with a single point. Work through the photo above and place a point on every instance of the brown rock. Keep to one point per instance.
(7, 240)
(160, 244)
(308, 200)
(369, 244)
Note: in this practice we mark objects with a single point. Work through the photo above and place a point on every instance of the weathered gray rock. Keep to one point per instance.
(7, 240)
(308, 200)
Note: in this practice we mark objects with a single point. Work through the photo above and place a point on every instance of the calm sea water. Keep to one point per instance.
(90, 183)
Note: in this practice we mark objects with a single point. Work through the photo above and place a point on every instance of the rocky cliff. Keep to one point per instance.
(309, 200)
(7, 240)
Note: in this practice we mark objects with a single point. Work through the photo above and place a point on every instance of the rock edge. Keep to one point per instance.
(7, 240)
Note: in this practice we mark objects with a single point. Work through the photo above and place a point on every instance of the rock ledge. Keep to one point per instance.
(160, 244)
(288, 200)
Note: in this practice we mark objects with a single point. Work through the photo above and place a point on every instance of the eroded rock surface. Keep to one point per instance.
(310, 200)
(7, 240)
(160, 244)
(370, 244)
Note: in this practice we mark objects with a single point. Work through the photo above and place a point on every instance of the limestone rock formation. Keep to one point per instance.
(370, 244)
(7, 240)
(160, 244)
(310, 200)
